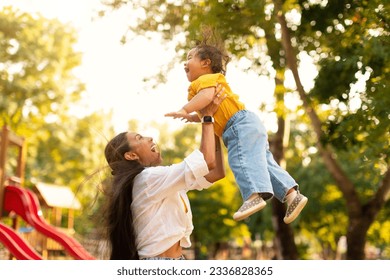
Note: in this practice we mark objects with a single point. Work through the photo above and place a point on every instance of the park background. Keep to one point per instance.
(317, 72)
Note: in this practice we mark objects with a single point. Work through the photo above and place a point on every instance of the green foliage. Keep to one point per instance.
(212, 216)
(325, 220)
(37, 89)
(184, 142)
(379, 233)
(342, 75)
(354, 47)
(36, 62)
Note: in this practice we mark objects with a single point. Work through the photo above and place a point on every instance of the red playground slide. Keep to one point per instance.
(26, 205)
(19, 248)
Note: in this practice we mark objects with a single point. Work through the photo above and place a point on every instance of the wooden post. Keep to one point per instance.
(3, 156)
(45, 252)
(7, 139)
(21, 161)
(58, 217)
(70, 218)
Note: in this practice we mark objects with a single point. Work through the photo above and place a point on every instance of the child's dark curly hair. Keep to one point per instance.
(212, 47)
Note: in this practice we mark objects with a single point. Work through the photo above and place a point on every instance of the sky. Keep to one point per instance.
(114, 73)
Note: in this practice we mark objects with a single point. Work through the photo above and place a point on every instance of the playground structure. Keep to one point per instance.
(20, 202)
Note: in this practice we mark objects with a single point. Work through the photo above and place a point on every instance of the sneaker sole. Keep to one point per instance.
(297, 211)
(241, 217)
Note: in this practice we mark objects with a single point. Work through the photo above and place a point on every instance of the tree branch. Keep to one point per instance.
(383, 193)
(343, 182)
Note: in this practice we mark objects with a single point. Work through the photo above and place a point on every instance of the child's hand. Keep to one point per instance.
(183, 116)
(191, 118)
(179, 114)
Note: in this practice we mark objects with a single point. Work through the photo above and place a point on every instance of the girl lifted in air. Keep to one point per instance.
(257, 174)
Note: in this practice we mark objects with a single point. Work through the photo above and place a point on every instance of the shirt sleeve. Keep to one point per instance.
(204, 81)
(163, 181)
(195, 179)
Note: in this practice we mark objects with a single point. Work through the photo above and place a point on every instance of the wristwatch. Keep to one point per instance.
(207, 119)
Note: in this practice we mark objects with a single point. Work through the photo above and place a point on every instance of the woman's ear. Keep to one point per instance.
(131, 156)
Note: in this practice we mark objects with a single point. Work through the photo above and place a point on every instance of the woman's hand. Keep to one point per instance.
(219, 96)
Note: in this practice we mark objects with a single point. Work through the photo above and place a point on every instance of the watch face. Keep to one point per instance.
(207, 119)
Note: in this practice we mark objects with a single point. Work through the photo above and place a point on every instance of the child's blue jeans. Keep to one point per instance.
(250, 159)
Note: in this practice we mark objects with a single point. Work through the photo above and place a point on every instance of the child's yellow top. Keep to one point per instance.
(228, 107)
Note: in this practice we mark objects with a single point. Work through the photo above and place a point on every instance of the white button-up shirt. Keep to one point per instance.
(161, 210)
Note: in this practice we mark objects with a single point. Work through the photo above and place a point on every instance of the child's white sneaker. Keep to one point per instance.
(253, 204)
(295, 208)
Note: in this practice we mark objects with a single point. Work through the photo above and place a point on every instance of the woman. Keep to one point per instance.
(148, 213)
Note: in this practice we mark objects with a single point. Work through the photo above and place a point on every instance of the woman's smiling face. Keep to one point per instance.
(143, 149)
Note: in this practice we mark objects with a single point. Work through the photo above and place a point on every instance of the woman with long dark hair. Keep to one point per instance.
(148, 214)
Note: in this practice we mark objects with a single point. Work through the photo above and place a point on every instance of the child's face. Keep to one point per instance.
(195, 67)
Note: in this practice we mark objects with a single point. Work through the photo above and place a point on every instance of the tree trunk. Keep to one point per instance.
(358, 223)
(356, 239)
(358, 226)
(284, 234)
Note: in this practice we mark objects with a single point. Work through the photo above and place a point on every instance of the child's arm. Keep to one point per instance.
(198, 102)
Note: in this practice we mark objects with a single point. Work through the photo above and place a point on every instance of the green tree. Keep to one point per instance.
(348, 127)
(37, 89)
(36, 78)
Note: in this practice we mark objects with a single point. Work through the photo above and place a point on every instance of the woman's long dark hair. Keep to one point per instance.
(118, 215)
